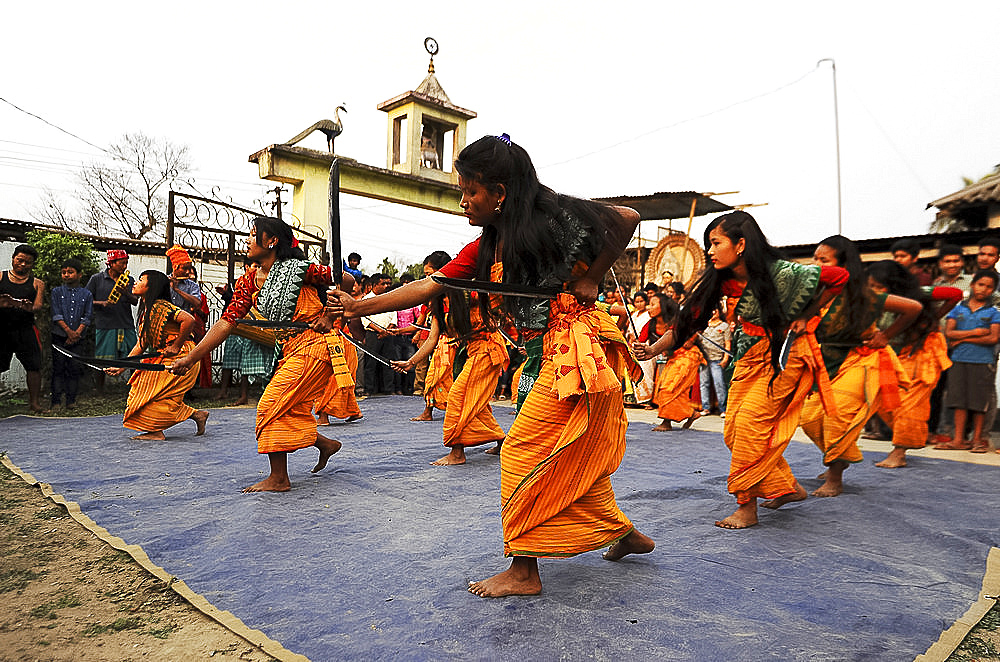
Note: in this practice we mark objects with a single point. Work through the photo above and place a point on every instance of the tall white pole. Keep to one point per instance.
(836, 130)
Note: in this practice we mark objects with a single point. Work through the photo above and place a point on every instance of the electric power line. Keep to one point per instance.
(42, 119)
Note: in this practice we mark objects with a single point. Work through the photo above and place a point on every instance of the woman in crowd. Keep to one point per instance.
(479, 357)
(156, 398)
(569, 435)
(283, 287)
(865, 374)
(922, 350)
(778, 303)
(676, 377)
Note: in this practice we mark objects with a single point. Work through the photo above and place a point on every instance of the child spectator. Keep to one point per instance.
(351, 266)
(972, 328)
(72, 310)
(716, 359)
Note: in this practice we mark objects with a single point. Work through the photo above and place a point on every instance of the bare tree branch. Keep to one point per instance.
(126, 196)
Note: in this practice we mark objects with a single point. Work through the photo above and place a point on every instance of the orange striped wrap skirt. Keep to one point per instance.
(468, 419)
(673, 385)
(762, 416)
(868, 380)
(567, 440)
(923, 367)
(437, 383)
(338, 399)
(156, 399)
(284, 412)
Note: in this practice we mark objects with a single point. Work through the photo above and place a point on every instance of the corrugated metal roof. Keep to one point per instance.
(984, 191)
(661, 206)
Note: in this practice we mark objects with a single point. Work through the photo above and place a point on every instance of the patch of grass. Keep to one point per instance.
(17, 580)
(977, 646)
(127, 623)
(48, 609)
(162, 632)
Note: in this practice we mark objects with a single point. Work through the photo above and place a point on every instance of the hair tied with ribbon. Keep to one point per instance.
(504, 138)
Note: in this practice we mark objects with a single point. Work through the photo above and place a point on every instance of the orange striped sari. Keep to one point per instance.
(923, 367)
(567, 440)
(284, 412)
(673, 385)
(156, 399)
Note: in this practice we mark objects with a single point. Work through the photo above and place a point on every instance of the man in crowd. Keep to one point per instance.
(21, 297)
(114, 322)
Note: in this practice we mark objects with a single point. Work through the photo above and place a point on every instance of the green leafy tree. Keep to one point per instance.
(388, 268)
(54, 248)
(416, 270)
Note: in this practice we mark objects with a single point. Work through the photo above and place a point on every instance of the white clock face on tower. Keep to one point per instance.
(431, 45)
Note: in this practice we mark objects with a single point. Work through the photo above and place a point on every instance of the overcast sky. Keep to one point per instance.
(608, 98)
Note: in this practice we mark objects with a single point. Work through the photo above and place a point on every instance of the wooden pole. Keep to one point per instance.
(694, 203)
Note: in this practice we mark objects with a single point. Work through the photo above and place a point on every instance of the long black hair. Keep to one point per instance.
(158, 287)
(532, 244)
(899, 281)
(758, 256)
(282, 232)
(855, 297)
(669, 308)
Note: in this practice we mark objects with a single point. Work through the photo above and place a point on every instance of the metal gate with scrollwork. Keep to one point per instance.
(214, 232)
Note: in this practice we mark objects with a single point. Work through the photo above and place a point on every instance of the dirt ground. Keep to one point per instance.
(67, 596)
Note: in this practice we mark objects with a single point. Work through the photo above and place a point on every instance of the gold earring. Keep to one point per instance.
(498, 210)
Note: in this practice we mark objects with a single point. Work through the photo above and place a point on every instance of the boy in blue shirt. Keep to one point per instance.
(72, 309)
(972, 329)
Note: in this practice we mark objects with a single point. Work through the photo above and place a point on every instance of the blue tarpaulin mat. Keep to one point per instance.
(371, 557)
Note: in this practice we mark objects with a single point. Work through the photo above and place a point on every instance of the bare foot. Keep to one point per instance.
(744, 517)
(426, 416)
(798, 495)
(633, 543)
(241, 401)
(151, 436)
(200, 417)
(822, 476)
(834, 477)
(691, 419)
(456, 456)
(327, 447)
(322, 419)
(269, 484)
(520, 579)
(978, 445)
(356, 417)
(495, 450)
(895, 460)
(664, 426)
